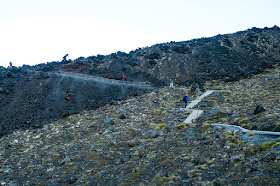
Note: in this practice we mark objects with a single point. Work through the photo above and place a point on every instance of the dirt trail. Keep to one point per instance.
(104, 80)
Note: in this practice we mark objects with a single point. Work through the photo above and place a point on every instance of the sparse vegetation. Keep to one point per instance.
(148, 143)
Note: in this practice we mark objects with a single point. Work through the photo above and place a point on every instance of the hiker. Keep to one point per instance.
(11, 65)
(197, 92)
(124, 80)
(186, 99)
(171, 83)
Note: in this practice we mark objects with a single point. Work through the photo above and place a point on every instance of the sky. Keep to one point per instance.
(41, 31)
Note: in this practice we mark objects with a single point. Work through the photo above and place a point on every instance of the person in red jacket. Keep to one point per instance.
(197, 92)
(124, 80)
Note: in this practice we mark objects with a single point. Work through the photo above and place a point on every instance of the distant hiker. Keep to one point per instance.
(186, 99)
(11, 65)
(171, 83)
(124, 80)
(197, 92)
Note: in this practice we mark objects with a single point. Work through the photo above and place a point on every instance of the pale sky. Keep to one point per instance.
(40, 31)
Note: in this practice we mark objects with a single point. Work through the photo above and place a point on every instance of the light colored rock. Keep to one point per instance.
(108, 121)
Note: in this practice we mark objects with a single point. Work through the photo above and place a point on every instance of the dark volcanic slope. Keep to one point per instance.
(29, 99)
(227, 57)
(32, 95)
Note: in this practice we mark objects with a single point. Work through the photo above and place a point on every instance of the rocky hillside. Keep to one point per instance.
(32, 96)
(250, 103)
(30, 99)
(223, 57)
(143, 141)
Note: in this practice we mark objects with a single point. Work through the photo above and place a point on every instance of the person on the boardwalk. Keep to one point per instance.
(171, 83)
(186, 99)
(197, 92)
(124, 80)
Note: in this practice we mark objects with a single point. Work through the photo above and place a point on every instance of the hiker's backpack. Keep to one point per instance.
(185, 99)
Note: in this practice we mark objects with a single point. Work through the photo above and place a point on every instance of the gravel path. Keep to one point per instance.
(104, 80)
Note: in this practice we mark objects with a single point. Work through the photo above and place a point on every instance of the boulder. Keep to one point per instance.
(112, 129)
(259, 109)
(154, 134)
(66, 159)
(235, 114)
(122, 116)
(236, 158)
(273, 76)
(132, 143)
(218, 112)
(152, 94)
(108, 121)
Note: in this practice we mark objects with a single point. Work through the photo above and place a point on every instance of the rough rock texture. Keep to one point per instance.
(240, 99)
(149, 146)
(32, 95)
(227, 57)
(34, 98)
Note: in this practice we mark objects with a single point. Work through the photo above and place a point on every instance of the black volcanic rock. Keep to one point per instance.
(227, 57)
(33, 98)
(259, 109)
(32, 95)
